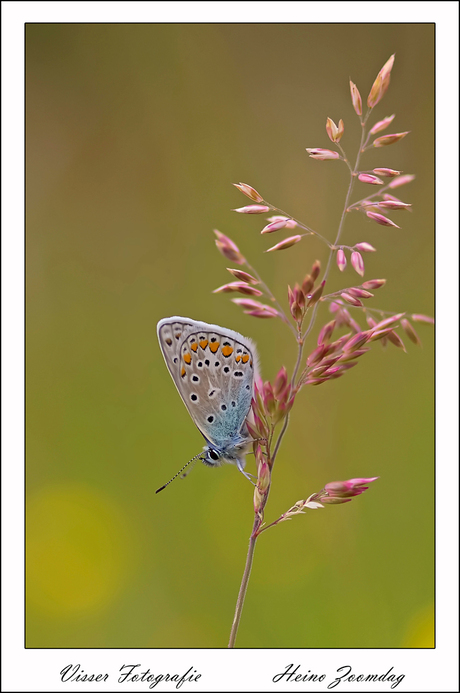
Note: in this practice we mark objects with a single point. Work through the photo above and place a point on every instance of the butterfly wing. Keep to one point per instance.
(213, 369)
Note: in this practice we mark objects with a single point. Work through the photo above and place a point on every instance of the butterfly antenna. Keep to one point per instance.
(180, 472)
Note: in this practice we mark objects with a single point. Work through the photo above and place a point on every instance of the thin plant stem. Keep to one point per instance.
(244, 583)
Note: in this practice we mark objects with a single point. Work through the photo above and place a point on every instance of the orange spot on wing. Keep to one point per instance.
(214, 346)
(238, 359)
(204, 343)
(227, 350)
(245, 358)
(194, 346)
(187, 358)
(182, 373)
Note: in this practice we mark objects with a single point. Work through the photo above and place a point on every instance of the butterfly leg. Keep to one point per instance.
(240, 465)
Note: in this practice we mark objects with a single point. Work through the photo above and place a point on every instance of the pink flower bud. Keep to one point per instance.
(381, 125)
(243, 276)
(252, 209)
(322, 154)
(409, 330)
(401, 180)
(418, 317)
(334, 132)
(365, 247)
(381, 83)
(380, 219)
(393, 204)
(356, 98)
(350, 299)
(368, 178)
(341, 260)
(374, 283)
(274, 226)
(265, 312)
(357, 263)
(228, 248)
(287, 243)
(249, 192)
(241, 287)
(385, 140)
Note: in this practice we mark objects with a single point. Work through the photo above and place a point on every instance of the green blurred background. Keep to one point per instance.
(135, 134)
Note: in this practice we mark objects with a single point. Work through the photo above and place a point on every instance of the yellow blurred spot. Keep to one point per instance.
(420, 631)
(77, 551)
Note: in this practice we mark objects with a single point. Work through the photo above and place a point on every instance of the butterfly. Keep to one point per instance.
(213, 369)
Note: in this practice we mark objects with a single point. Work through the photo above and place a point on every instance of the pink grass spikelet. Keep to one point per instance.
(357, 341)
(418, 317)
(373, 284)
(228, 248)
(316, 295)
(381, 125)
(356, 98)
(368, 178)
(252, 209)
(266, 312)
(356, 292)
(243, 276)
(389, 321)
(365, 247)
(334, 132)
(386, 172)
(381, 219)
(322, 154)
(249, 192)
(411, 333)
(357, 263)
(386, 140)
(241, 287)
(381, 83)
(401, 180)
(341, 491)
(290, 223)
(274, 226)
(341, 260)
(315, 270)
(307, 284)
(393, 204)
(287, 243)
(351, 299)
(396, 340)
(326, 332)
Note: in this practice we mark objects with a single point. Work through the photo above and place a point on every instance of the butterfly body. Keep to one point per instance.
(213, 369)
